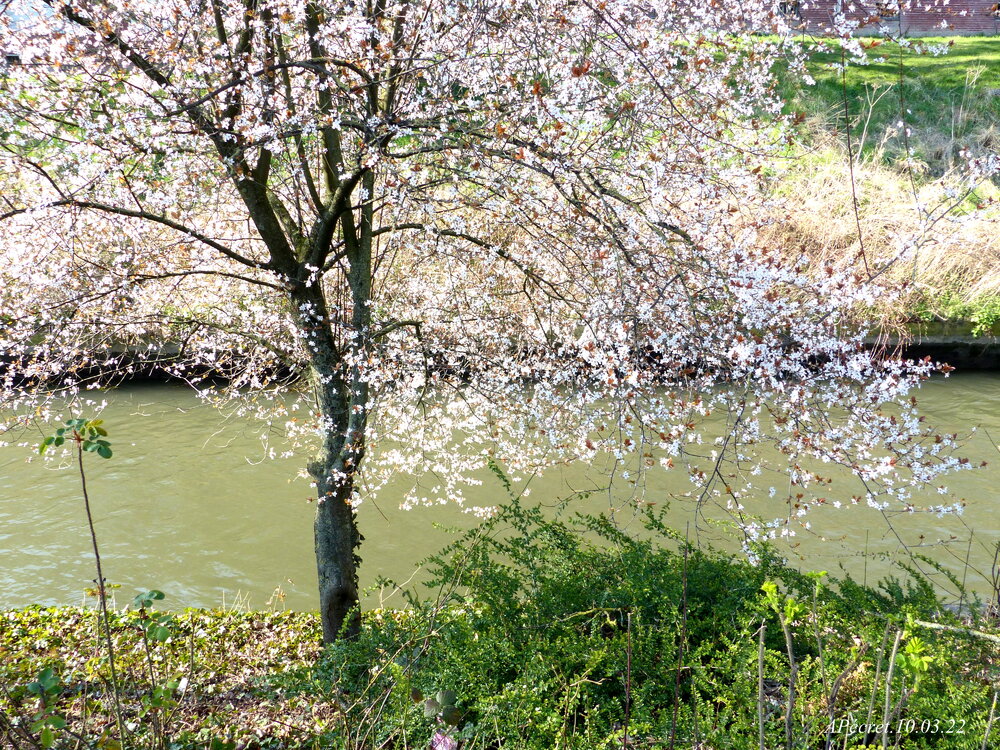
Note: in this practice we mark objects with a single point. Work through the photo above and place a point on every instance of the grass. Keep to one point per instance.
(918, 218)
(951, 271)
(949, 101)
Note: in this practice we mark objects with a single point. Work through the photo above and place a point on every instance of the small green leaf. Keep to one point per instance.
(770, 589)
(158, 632)
(446, 697)
(793, 609)
(146, 598)
(47, 737)
(47, 681)
(104, 451)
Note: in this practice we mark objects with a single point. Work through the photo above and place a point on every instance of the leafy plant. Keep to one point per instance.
(157, 699)
(90, 436)
(553, 631)
(46, 721)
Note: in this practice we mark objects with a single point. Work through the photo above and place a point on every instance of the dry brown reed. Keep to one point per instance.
(939, 236)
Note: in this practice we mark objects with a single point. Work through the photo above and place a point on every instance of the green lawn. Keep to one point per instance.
(949, 101)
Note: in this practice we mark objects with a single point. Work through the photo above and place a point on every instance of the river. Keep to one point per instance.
(188, 505)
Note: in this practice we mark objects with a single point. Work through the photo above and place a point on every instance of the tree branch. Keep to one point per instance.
(173, 274)
(528, 272)
(397, 324)
(144, 215)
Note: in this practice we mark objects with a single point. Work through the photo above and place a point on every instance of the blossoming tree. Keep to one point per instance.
(491, 231)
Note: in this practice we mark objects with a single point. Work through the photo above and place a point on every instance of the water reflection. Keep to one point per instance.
(185, 506)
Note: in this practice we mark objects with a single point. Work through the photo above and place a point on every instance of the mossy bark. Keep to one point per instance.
(337, 538)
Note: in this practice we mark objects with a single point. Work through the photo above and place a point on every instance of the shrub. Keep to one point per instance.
(554, 633)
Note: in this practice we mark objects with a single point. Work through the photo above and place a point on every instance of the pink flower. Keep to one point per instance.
(443, 741)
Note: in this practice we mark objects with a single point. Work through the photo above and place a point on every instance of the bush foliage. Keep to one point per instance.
(557, 634)
(542, 633)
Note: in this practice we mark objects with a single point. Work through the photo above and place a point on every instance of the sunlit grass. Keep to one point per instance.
(949, 101)
(901, 121)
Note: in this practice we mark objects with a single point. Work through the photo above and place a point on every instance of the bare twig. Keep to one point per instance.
(888, 688)
(989, 722)
(760, 683)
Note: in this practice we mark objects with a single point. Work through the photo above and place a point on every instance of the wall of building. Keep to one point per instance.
(911, 17)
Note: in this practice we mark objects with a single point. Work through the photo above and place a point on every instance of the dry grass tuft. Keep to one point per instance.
(936, 236)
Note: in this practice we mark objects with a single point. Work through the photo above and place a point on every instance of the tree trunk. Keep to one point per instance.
(337, 537)
(341, 390)
(335, 528)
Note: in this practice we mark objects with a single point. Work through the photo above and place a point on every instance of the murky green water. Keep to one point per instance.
(187, 506)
